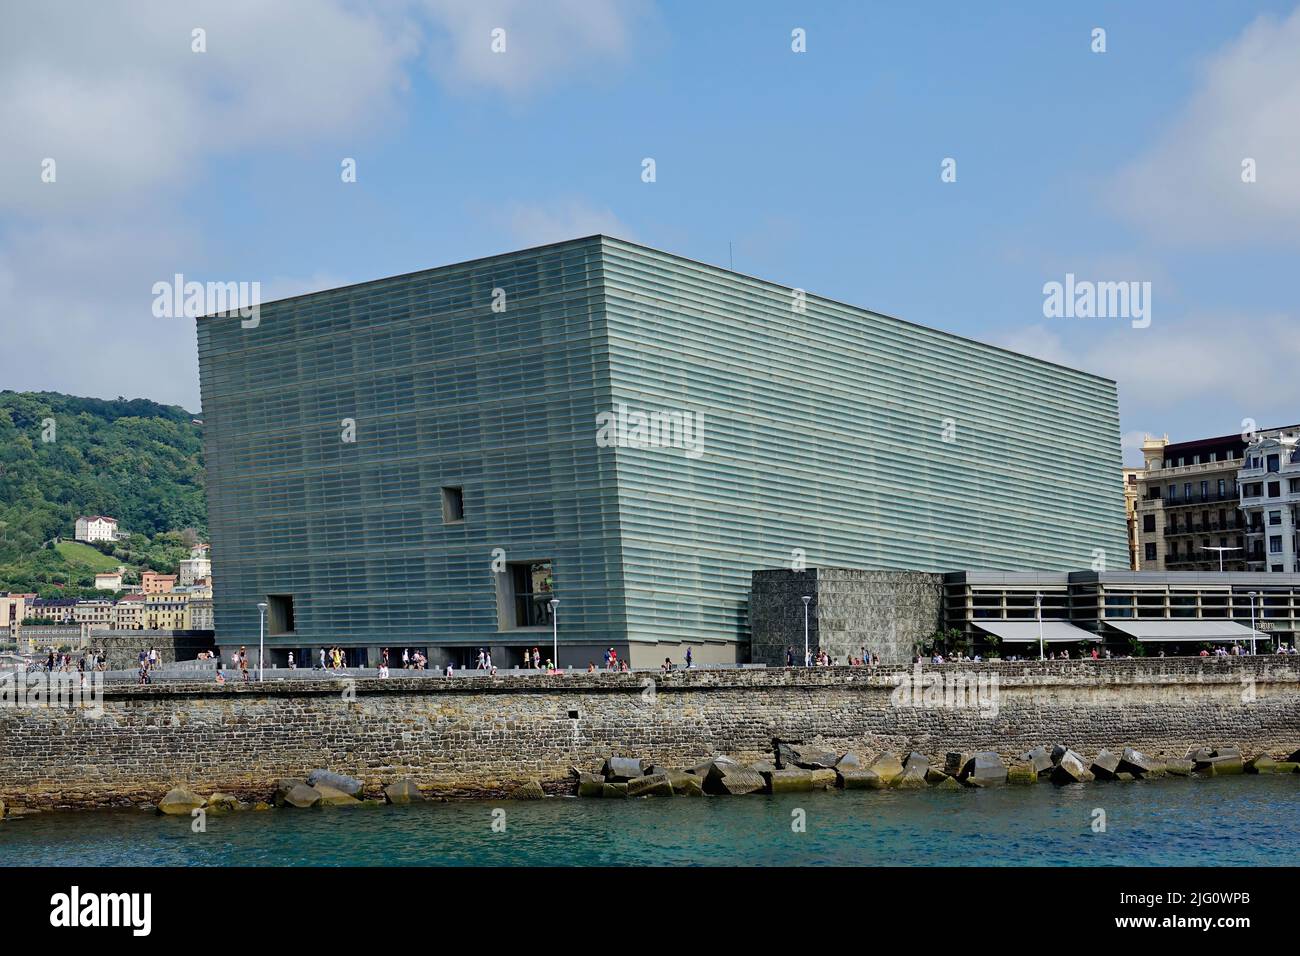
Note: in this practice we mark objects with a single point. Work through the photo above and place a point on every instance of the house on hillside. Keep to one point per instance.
(92, 528)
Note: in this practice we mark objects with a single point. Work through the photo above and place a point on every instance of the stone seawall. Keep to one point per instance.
(482, 736)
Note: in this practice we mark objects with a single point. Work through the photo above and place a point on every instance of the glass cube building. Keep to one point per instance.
(426, 462)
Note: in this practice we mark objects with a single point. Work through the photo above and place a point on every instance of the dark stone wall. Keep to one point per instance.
(481, 736)
(885, 612)
(122, 648)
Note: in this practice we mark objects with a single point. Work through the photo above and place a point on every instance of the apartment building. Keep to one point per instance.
(1269, 483)
(1131, 516)
(59, 610)
(128, 613)
(151, 582)
(1186, 501)
(196, 566)
(93, 613)
(201, 616)
(14, 608)
(166, 612)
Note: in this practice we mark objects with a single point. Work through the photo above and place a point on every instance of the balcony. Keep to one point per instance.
(1213, 526)
(1196, 498)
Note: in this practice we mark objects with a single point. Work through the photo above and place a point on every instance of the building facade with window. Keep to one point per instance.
(96, 528)
(1270, 501)
(1186, 505)
(428, 461)
(1127, 612)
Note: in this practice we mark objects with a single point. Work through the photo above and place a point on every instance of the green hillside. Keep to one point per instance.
(79, 554)
(136, 460)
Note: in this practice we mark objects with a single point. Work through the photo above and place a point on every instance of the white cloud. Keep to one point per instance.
(541, 40)
(1188, 187)
(115, 95)
(77, 305)
(1193, 375)
(134, 118)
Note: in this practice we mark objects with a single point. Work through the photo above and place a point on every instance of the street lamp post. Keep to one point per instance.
(555, 633)
(261, 640)
(806, 659)
(1252, 622)
(1038, 608)
(1220, 550)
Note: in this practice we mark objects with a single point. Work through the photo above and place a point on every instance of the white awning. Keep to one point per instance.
(1058, 632)
(1191, 630)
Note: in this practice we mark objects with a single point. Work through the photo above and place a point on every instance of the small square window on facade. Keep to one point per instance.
(453, 505)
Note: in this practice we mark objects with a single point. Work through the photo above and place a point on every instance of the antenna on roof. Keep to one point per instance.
(731, 259)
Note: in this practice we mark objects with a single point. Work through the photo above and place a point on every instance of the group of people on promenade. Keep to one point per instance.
(238, 662)
(823, 659)
(1240, 650)
(63, 663)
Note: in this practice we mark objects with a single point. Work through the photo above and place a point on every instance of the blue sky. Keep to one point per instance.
(822, 169)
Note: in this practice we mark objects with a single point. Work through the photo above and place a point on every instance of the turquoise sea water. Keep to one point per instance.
(1248, 820)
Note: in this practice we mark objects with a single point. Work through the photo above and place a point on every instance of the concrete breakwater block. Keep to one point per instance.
(850, 761)
(403, 791)
(301, 796)
(732, 779)
(985, 769)
(805, 757)
(915, 768)
(824, 778)
(955, 762)
(349, 785)
(1022, 772)
(283, 786)
(1217, 761)
(1139, 764)
(1040, 758)
(685, 784)
(1070, 769)
(887, 769)
(333, 797)
(1105, 765)
(856, 779)
(651, 785)
(789, 781)
(623, 769)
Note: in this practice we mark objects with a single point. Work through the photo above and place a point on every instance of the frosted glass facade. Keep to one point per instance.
(829, 434)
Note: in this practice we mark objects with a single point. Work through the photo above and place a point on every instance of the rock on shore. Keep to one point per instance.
(180, 801)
